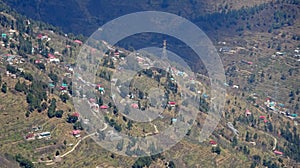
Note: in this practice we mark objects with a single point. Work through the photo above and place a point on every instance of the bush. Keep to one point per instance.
(64, 97)
(72, 119)
(24, 162)
(4, 88)
(59, 113)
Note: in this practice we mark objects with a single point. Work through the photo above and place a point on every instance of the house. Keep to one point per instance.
(272, 103)
(225, 49)
(54, 60)
(11, 31)
(235, 86)
(213, 143)
(247, 112)
(92, 100)
(101, 89)
(51, 55)
(78, 42)
(278, 152)
(253, 143)
(294, 115)
(205, 96)
(134, 105)
(45, 37)
(76, 114)
(44, 135)
(171, 103)
(36, 128)
(37, 61)
(57, 53)
(51, 85)
(103, 107)
(174, 120)
(39, 36)
(116, 53)
(76, 133)
(30, 136)
(63, 88)
(247, 62)
(279, 53)
(21, 69)
(262, 117)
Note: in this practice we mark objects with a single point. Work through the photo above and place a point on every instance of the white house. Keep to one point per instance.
(235, 86)
(55, 60)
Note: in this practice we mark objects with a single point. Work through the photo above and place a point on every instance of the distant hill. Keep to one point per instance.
(84, 17)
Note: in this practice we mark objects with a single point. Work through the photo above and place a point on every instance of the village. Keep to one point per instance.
(50, 58)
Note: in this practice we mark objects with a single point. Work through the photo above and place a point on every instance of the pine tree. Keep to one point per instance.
(4, 88)
(234, 141)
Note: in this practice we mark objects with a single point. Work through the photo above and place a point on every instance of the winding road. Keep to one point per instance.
(50, 162)
(70, 151)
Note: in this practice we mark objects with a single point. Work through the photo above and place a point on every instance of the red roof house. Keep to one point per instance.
(247, 112)
(51, 55)
(103, 107)
(78, 42)
(63, 88)
(92, 100)
(76, 132)
(212, 142)
(37, 61)
(116, 54)
(171, 103)
(278, 152)
(75, 114)
(39, 36)
(29, 135)
(262, 117)
(135, 105)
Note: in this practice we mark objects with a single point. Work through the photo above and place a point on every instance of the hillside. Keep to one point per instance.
(260, 56)
(94, 13)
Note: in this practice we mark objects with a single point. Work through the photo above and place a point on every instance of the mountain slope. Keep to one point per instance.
(84, 17)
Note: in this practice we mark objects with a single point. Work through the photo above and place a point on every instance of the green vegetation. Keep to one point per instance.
(25, 163)
(31, 93)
